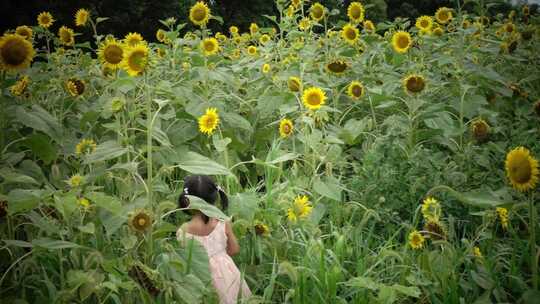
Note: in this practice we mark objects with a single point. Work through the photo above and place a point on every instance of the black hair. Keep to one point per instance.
(204, 187)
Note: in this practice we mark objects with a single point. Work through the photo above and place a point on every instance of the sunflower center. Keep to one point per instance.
(286, 128)
(210, 121)
(356, 12)
(313, 99)
(14, 52)
(415, 84)
(337, 67)
(209, 46)
(317, 12)
(403, 41)
(443, 15)
(136, 60)
(350, 34)
(113, 54)
(520, 170)
(65, 36)
(45, 20)
(141, 222)
(424, 23)
(356, 90)
(199, 14)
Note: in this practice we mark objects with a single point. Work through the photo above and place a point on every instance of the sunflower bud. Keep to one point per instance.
(480, 130)
(262, 229)
(140, 220)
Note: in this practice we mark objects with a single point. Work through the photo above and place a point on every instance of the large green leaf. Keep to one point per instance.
(39, 119)
(210, 210)
(12, 177)
(42, 146)
(197, 164)
(53, 244)
(105, 151)
(482, 199)
(106, 202)
(21, 200)
(327, 189)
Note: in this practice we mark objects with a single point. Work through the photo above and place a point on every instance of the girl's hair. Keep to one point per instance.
(205, 188)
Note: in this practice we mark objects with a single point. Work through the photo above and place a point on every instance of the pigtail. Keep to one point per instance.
(223, 198)
(183, 201)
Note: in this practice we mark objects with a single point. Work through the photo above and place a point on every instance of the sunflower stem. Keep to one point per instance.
(532, 241)
(149, 127)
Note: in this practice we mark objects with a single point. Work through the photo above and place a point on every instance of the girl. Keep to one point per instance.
(215, 236)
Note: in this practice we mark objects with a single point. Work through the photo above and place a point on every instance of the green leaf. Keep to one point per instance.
(105, 151)
(53, 244)
(478, 199)
(244, 205)
(89, 228)
(411, 291)
(41, 120)
(42, 146)
(329, 190)
(197, 164)
(363, 282)
(387, 295)
(106, 202)
(196, 203)
(66, 204)
(482, 280)
(21, 200)
(12, 177)
(221, 144)
(283, 158)
(17, 243)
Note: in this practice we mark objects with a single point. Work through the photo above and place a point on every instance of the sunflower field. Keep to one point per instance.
(391, 162)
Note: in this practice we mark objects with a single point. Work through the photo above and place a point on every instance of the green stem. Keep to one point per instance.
(532, 241)
(149, 127)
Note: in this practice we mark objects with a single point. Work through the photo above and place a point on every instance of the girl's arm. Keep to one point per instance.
(232, 244)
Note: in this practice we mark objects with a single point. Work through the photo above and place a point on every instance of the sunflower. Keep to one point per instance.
(313, 98)
(521, 169)
(438, 31)
(140, 220)
(316, 11)
(161, 36)
(301, 208)
(253, 28)
(83, 202)
(337, 67)
(209, 46)
(424, 24)
(295, 84)
(477, 253)
(304, 24)
(85, 146)
(132, 39)
(431, 210)
(369, 26)
(401, 41)
(413, 84)
(436, 230)
(285, 128)
(111, 53)
(264, 39)
(502, 213)
(355, 89)
(45, 19)
(416, 240)
(75, 181)
(24, 31)
(465, 24)
(81, 17)
(209, 121)
(75, 87)
(199, 14)
(350, 33)
(16, 53)
(289, 12)
(261, 229)
(66, 35)
(356, 12)
(296, 3)
(135, 59)
(252, 50)
(266, 68)
(117, 104)
(233, 30)
(480, 130)
(220, 37)
(443, 15)
(509, 27)
(20, 86)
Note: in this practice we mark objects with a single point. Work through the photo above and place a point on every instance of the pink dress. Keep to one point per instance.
(225, 275)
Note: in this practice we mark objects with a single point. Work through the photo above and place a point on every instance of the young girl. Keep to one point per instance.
(216, 237)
